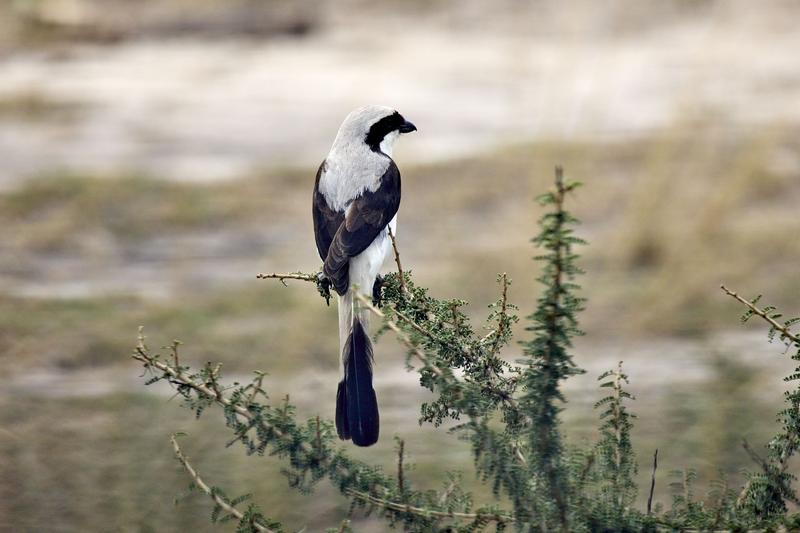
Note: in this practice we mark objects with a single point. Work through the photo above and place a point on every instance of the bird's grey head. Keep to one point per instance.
(373, 126)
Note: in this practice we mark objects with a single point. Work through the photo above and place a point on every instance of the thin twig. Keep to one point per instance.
(740, 500)
(198, 481)
(294, 275)
(397, 260)
(423, 358)
(586, 469)
(754, 456)
(413, 324)
(256, 388)
(444, 496)
(487, 337)
(411, 509)
(239, 434)
(766, 467)
(454, 310)
(519, 455)
(652, 483)
(213, 373)
(785, 332)
(502, 317)
(174, 351)
(408, 320)
(176, 375)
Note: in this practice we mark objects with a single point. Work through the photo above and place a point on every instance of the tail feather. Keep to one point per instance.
(356, 403)
(342, 422)
(362, 404)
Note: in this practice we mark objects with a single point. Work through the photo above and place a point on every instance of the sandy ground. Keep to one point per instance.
(203, 110)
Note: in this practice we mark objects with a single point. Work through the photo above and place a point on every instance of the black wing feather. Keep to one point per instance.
(326, 220)
(366, 217)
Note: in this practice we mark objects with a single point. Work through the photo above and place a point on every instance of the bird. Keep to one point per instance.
(355, 203)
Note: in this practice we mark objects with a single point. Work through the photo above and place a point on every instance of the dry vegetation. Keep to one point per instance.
(42, 23)
(671, 220)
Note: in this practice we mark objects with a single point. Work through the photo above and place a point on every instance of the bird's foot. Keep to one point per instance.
(324, 287)
(377, 296)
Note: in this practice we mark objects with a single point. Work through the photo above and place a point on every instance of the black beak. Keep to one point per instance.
(407, 127)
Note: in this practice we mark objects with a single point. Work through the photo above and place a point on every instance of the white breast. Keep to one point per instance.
(347, 175)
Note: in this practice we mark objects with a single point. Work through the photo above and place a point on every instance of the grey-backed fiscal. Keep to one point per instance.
(355, 203)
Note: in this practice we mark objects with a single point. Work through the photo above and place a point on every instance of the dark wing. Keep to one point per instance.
(326, 220)
(366, 217)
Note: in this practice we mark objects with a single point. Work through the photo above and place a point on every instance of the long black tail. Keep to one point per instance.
(356, 403)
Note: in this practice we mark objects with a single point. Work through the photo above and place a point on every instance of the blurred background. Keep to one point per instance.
(156, 155)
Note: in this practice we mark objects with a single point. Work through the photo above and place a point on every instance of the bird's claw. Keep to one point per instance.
(377, 297)
(324, 287)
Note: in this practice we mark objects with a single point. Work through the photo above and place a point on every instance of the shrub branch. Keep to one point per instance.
(782, 328)
(202, 485)
(397, 260)
(353, 478)
(509, 414)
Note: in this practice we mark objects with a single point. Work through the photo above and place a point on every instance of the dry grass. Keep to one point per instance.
(35, 106)
(49, 23)
(262, 327)
(668, 219)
